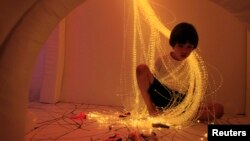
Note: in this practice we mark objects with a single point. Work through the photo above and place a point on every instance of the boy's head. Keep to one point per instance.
(184, 33)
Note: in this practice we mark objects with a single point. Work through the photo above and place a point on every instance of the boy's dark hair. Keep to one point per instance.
(183, 33)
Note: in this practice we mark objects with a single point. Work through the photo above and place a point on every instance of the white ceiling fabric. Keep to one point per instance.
(238, 8)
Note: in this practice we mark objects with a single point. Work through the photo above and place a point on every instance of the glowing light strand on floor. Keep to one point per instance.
(67, 121)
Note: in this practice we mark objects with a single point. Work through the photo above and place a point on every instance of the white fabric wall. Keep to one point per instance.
(53, 65)
(94, 42)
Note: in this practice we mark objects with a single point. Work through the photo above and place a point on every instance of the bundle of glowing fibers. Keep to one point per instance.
(151, 44)
(148, 43)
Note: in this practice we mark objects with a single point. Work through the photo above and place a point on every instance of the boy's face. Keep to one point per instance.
(182, 51)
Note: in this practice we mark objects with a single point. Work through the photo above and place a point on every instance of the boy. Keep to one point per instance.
(160, 90)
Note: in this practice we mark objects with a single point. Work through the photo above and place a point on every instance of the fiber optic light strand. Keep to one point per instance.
(147, 33)
(186, 111)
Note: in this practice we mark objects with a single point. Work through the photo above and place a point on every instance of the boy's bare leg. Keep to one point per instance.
(144, 79)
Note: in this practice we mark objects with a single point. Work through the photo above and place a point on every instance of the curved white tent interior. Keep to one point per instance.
(71, 51)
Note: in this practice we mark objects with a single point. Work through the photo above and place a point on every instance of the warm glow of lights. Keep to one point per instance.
(186, 111)
(145, 48)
